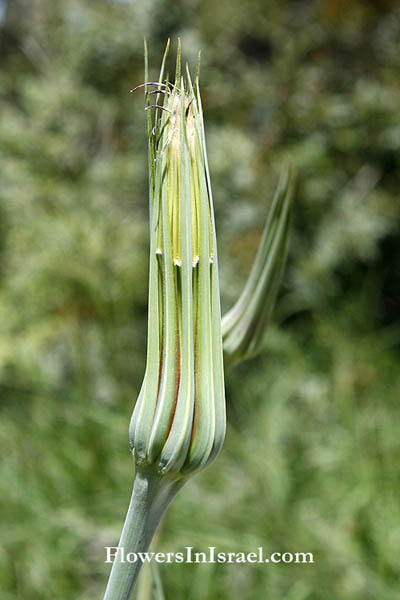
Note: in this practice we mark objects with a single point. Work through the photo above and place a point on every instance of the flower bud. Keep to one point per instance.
(178, 424)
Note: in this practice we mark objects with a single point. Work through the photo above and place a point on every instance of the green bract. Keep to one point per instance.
(245, 324)
(178, 424)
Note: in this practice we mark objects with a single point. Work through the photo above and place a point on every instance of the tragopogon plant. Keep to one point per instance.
(178, 424)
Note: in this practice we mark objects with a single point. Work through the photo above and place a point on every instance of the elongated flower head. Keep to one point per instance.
(178, 424)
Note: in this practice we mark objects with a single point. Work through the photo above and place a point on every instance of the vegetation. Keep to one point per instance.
(310, 461)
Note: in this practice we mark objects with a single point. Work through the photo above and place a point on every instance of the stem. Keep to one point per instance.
(151, 495)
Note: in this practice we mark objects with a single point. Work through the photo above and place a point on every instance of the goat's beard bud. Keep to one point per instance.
(178, 424)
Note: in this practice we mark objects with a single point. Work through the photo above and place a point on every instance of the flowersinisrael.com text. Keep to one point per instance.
(188, 555)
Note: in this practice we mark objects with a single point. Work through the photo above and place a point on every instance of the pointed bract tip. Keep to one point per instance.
(178, 61)
(197, 72)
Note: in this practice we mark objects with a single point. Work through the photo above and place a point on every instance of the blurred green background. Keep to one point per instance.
(311, 460)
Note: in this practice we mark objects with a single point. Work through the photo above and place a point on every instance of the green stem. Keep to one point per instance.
(151, 495)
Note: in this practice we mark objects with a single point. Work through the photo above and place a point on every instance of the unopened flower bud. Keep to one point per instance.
(178, 424)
